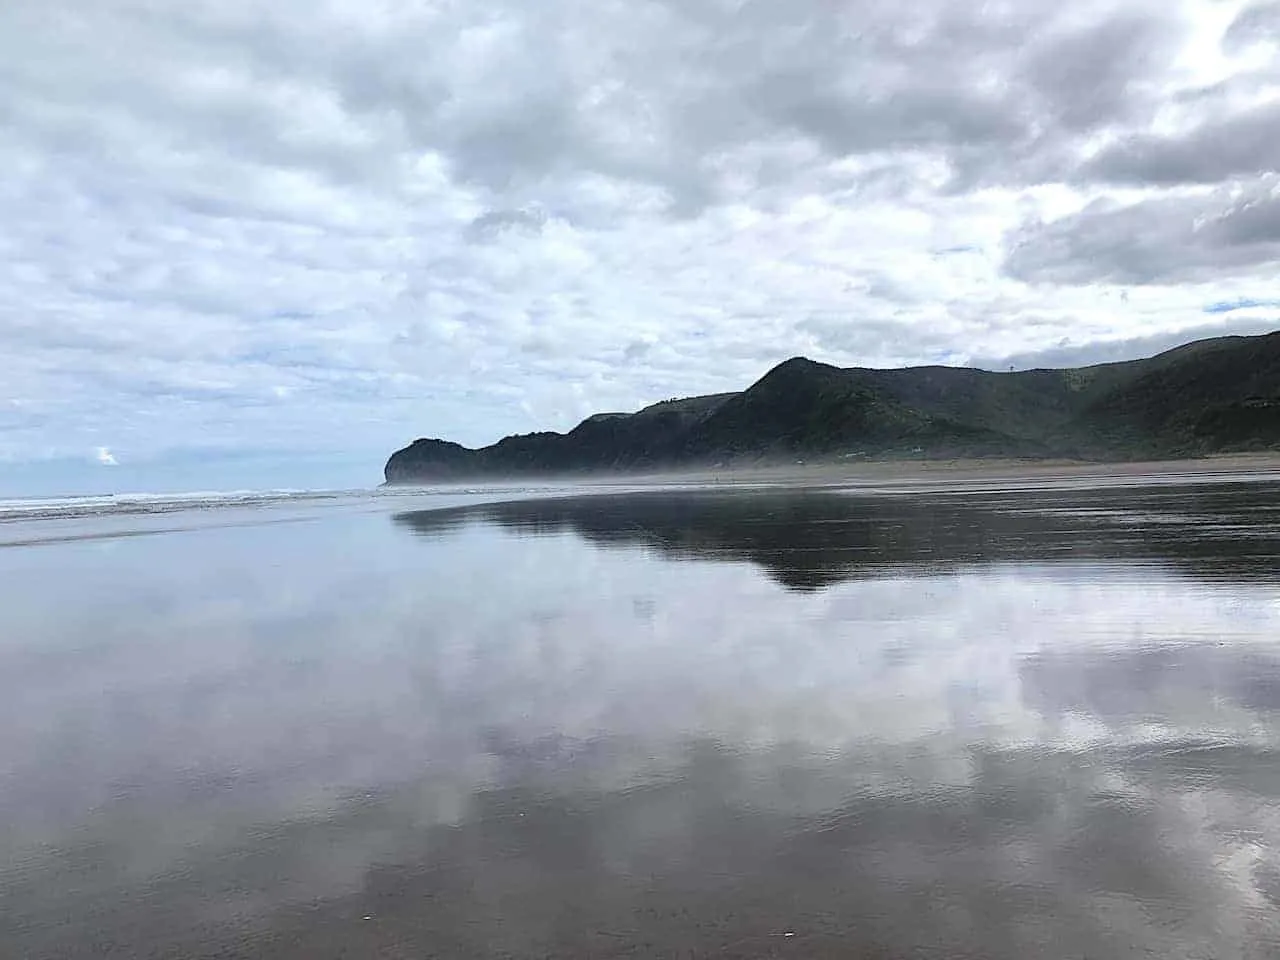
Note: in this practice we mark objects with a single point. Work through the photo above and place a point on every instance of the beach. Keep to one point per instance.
(990, 710)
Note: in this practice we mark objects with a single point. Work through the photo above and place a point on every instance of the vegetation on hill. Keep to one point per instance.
(1211, 396)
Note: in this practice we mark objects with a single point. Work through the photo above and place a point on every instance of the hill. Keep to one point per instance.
(1211, 396)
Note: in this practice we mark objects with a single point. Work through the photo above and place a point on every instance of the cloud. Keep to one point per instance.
(1223, 147)
(1069, 353)
(1176, 239)
(1257, 23)
(492, 223)
(232, 226)
(105, 457)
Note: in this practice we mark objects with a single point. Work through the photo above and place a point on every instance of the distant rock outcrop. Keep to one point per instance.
(1206, 397)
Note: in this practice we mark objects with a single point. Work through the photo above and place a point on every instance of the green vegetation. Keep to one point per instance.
(1207, 397)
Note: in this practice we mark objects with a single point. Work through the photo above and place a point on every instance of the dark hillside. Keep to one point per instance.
(1211, 396)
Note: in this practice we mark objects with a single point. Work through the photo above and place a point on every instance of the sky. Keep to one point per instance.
(248, 244)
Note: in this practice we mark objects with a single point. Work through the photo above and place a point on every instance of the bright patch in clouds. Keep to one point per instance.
(234, 226)
(105, 457)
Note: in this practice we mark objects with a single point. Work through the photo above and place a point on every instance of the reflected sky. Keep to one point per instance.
(765, 723)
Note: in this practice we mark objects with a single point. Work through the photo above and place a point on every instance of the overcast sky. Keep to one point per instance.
(283, 238)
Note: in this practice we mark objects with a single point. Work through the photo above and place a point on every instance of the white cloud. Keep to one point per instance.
(105, 457)
(297, 228)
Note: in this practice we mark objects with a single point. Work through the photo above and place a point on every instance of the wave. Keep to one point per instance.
(123, 504)
(45, 508)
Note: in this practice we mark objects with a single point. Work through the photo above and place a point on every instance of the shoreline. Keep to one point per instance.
(965, 469)
(894, 472)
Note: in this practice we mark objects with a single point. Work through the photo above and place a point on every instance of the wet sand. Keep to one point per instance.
(855, 473)
(1020, 719)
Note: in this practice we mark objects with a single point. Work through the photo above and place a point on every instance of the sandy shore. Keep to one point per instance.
(880, 473)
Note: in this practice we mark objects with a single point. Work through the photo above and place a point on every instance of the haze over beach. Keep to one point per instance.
(639, 479)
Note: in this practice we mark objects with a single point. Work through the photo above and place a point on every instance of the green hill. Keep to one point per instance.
(1211, 396)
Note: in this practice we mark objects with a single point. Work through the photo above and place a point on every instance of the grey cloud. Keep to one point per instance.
(918, 115)
(998, 92)
(873, 340)
(891, 289)
(1260, 21)
(648, 94)
(1090, 77)
(493, 223)
(908, 339)
(121, 86)
(656, 96)
(1235, 136)
(1163, 240)
(1072, 354)
(1246, 144)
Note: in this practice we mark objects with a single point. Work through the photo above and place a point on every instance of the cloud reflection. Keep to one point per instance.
(497, 744)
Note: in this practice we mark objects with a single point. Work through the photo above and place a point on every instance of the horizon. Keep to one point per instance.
(268, 246)
(350, 472)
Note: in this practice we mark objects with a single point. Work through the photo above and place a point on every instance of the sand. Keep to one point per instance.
(911, 472)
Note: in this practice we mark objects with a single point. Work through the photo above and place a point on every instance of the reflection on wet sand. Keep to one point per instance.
(1027, 725)
(809, 540)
